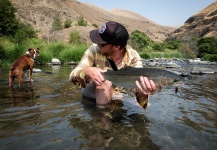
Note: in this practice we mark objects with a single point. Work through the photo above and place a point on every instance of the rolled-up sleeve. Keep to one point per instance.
(77, 75)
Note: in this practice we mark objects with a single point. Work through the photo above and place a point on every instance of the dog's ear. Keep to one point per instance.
(29, 49)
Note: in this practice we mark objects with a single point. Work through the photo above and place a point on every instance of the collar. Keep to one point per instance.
(31, 57)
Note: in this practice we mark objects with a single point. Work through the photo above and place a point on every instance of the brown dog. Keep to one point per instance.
(21, 65)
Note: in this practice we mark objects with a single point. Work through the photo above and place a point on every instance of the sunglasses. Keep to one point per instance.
(102, 45)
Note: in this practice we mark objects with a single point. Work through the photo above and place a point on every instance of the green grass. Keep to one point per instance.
(166, 54)
(65, 52)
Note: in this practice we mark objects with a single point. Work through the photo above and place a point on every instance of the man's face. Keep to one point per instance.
(106, 49)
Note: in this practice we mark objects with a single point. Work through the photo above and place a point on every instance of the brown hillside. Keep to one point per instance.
(202, 24)
(41, 13)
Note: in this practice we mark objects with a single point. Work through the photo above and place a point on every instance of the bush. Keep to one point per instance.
(166, 54)
(67, 23)
(10, 51)
(81, 22)
(210, 57)
(57, 24)
(23, 33)
(72, 53)
(139, 40)
(144, 55)
(45, 57)
(173, 45)
(75, 38)
(158, 46)
(185, 49)
(207, 46)
(95, 25)
(56, 48)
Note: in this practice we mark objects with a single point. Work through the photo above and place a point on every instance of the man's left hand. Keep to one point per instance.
(146, 86)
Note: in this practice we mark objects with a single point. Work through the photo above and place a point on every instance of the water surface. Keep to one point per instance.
(49, 115)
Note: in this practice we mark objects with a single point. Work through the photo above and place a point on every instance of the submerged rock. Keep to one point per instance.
(200, 70)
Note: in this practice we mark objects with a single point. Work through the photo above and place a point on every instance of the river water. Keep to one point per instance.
(49, 115)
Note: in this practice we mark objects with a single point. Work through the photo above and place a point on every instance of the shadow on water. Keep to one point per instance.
(49, 115)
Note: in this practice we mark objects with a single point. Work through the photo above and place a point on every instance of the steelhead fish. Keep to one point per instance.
(126, 77)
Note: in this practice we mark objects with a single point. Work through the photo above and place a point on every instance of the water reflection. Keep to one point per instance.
(22, 97)
(105, 128)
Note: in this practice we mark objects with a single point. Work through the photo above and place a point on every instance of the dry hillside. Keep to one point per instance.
(41, 13)
(202, 24)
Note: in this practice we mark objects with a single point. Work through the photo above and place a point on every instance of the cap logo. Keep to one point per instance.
(102, 29)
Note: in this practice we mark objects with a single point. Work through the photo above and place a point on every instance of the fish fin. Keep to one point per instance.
(176, 89)
(118, 90)
(127, 68)
(159, 88)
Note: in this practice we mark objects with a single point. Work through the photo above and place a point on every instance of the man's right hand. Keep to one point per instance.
(95, 74)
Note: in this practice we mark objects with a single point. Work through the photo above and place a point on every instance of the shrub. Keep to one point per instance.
(67, 23)
(95, 25)
(45, 56)
(207, 46)
(210, 57)
(144, 55)
(56, 48)
(158, 46)
(57, 23)
(81, 22)
(23, 33)
(75, 38)
(72, 53)
(172, 44)
(139, 40)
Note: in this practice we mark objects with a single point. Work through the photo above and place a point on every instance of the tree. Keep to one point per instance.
(172, 44)
(23, 32)
(139, 40)
(207, 46)
(8, 21)
(11, 27)
(158, 46)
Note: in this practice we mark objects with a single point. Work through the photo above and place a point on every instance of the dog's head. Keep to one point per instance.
(33, 53)
(36, 52)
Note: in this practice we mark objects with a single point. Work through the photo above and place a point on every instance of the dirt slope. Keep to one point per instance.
(41, 14)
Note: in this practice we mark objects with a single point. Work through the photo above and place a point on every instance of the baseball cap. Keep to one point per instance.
(111, 32)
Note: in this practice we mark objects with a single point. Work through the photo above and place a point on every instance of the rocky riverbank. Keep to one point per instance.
(183, 67)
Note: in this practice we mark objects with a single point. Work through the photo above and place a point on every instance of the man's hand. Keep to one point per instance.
(146, 86)
(95, 74)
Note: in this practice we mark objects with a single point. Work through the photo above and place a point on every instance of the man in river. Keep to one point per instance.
(108, 51)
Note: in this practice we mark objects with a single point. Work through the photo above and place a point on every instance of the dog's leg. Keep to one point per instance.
(10, 81)
(30, 75)
(20, 78)
(11, 78)
(26, 78)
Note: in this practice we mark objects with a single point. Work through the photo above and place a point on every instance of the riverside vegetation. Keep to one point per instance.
(16, 37)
